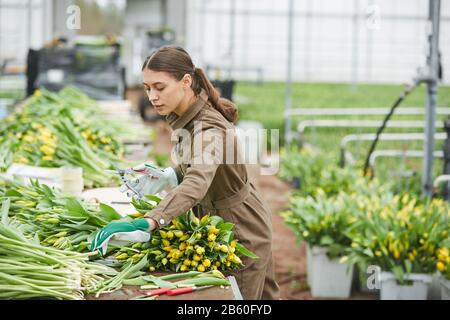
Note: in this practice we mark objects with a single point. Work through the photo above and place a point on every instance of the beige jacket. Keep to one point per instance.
(220, 189)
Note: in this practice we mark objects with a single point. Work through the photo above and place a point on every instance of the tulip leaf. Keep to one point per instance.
(109, 213)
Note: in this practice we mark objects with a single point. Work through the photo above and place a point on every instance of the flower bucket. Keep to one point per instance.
(327, 278)
(391, 290)
(445, 289)
(434, 290)
(309, 269)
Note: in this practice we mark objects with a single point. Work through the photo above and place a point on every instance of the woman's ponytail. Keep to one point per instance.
(224, 106)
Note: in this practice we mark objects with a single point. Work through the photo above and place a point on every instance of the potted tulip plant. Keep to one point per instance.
(443, 266)
(400, 234)
(323, 224)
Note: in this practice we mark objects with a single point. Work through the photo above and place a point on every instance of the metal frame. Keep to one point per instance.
(289, 135)
(361, 124)
(440, 179)
(345, 154)
(399, 154)
(361, 111)
(445, 178)
(430, 76)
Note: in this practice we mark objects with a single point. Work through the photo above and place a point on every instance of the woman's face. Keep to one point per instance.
(164, 91)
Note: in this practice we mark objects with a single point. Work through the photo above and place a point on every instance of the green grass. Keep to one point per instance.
(265, 103)
(11, 94)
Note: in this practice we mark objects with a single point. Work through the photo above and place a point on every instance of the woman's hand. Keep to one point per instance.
(152, 181)
(138, 230)
(151, 223)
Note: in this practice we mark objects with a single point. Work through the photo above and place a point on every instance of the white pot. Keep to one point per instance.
(391, 290)
(434, 290)
(445, 289)
(308, 264)
(327, 278)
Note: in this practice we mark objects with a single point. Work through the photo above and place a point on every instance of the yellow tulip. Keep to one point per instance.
(396, 254)
(178, 233)
(200, 250)
(29, 139)
(201, 268)
(236, 259)
(213, 230)
(48, 151)
(163, 234)
(206, 262)
(211, 237)
(187, 262)
(440, 266)
(196, 221)
(196, 257)
(204, 219)
(166, 243)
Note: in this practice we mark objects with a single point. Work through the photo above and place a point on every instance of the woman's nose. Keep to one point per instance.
(152, 96)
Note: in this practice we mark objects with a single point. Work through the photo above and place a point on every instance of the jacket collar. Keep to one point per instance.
(177, 122)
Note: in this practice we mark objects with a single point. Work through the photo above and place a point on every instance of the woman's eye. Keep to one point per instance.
(160, 89)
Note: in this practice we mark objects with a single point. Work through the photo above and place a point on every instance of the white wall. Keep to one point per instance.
(18, 29)
(328, 44)
(140, 16)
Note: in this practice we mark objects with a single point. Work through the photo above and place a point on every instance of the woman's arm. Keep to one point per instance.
(195, 183)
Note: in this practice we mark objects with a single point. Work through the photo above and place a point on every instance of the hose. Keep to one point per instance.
(402, 96)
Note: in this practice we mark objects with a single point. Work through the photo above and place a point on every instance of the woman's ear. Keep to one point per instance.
(187, 81)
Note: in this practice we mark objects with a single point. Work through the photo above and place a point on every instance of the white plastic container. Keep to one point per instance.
(445, 289)
(391, 290)
(72, 180)
(434, 290)
(309, 269)
(328, 278)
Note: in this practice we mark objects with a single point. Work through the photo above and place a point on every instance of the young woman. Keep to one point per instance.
(183, 93)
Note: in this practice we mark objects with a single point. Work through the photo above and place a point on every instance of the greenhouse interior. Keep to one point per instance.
(224, 150)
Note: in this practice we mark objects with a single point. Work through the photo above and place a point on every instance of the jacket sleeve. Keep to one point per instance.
(178, 172)
(193, 186)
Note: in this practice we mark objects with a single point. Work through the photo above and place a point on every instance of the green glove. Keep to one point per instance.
(135, 231)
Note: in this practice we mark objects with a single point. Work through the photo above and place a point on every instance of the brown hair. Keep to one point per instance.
(177, 62)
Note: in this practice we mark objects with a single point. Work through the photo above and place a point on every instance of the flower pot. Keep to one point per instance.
(327, 278)
(391, 290)
(434, 290)
(309, 269)
(445, 289)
